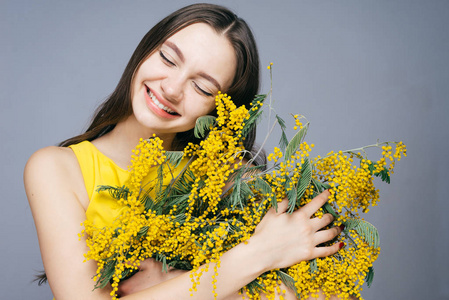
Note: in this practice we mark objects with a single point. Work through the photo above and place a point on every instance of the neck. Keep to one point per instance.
(119, 143)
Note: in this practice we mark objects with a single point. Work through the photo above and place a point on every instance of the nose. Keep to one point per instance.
(173, 88)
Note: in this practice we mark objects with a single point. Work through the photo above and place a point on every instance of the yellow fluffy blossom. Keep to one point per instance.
(187, 209)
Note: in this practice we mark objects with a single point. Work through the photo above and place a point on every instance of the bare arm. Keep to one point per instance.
(58, 200)
(53, 184)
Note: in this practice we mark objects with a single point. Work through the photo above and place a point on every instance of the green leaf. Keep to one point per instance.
(254, 286)
(183, 182)
(304, 181)
(106, 274)
(283, 142)
(181, 218)
(327, 207)
(179, 200)
(290, 190)
(116, 192)
(160, 182)
(274, 202)
(262, 186)
(240, 194)
(234, 198)
(369, 276)
(142, 231)
(163, 259)
(245, 190)
(260, 97)
(251, 121)
(326, 186)
(320, 186)
(313, 266)
(294, 143)
(174, 157)
(127, 273)
(148, 202)
(317, 185)
(203, 125)
(246, 172)
(281, 122)
(365, 230)
(288, 281)
(235, 176)
(371, 168)
(179, 264)
(384, 175)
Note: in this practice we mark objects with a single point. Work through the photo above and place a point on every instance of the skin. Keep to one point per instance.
(180, 78)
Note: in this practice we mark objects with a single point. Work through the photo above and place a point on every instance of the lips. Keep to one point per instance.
(158, 107)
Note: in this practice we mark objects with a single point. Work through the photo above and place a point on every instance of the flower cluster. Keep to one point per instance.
(180, 223)
(300, 179)
(128, 238)
(208, 198)
(344, 274)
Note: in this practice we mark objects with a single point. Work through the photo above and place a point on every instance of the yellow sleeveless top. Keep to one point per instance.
(98, 169)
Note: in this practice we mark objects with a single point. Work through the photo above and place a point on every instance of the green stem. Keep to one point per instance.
(353, 151)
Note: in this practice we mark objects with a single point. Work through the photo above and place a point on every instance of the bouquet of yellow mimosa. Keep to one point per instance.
(211, 196)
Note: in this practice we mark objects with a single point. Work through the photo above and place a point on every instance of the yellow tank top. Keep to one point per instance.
(98, 169)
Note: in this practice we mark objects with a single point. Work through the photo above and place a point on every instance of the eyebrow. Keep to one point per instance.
(181, 57)
(176, 49)
(211, 79)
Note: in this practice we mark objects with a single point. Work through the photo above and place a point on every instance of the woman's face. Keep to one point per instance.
(178, 82)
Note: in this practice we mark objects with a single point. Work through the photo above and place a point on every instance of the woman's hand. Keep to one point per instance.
(280, 240)
(150, 274)
(287, 239)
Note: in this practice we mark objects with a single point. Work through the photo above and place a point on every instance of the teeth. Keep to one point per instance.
(159, 104)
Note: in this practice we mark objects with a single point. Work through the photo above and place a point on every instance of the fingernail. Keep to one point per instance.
(342, 227)
(341, 245)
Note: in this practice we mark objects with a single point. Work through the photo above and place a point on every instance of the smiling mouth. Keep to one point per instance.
(160, 105)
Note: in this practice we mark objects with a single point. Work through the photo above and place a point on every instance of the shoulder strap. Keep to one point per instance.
(84, 152)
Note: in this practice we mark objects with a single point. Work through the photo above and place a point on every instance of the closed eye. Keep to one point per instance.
(166, 59)
(201, 90)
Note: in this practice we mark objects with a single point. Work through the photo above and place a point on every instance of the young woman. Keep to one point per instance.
(170, 81)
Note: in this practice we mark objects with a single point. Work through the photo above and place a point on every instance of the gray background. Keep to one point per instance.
(359, 70)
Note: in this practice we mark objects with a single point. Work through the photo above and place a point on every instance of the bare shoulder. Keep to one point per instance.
(49, 163)
(51, 156)
(53, 168)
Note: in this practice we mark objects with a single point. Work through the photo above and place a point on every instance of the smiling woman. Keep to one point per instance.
(170, 81)
(177, 83)
(223, 23)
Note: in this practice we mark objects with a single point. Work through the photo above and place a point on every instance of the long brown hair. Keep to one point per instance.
(117, 106)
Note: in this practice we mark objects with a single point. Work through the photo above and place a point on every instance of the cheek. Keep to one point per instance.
(137, 110)
(146, 68)
(206, 110)
(200, 106)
